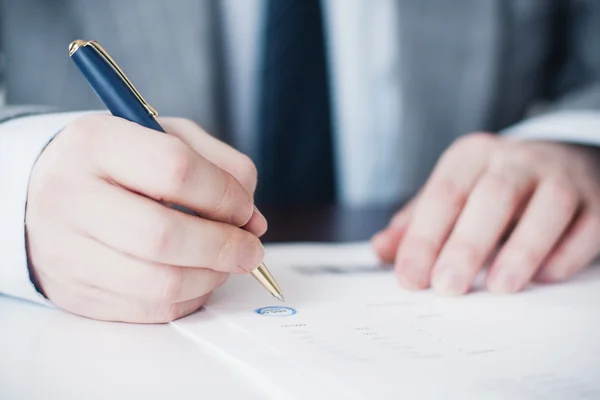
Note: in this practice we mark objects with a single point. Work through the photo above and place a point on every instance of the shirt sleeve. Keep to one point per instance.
(577, 127)
(21, 142)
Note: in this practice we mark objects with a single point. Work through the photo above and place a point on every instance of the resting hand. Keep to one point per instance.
(101, 242)
(536, 203)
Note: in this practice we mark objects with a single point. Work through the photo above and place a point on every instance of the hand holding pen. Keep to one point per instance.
(103, 245)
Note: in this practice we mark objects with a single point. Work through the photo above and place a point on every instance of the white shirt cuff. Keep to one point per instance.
(21, 142)
(577, 127)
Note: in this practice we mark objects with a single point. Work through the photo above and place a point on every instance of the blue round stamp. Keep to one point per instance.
(275, 311)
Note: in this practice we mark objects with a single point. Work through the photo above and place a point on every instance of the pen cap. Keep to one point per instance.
(111, 89)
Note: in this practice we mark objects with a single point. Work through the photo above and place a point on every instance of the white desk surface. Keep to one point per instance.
(49, 354)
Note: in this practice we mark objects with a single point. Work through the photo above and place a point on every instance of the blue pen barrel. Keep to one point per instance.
(111, 89)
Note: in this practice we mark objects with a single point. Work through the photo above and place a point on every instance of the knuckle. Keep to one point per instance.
(447, 190)
(463, 149)
(500, 160)
(88, 123)
(76, 144)
(178, 165)
(501, 188)
(246, 173)
(474, 141)
(564, 193)
(159, 235)
(229, 201)
(172, 285)
(222, 195)
(84, 130)
(524, 156)
(510, 162)
(227, 246)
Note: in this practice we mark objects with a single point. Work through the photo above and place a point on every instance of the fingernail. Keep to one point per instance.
(412, 274)
(448, 282)
(505, 281)
(240, 219)
(379, 240)
(251, 256)
(260, 214)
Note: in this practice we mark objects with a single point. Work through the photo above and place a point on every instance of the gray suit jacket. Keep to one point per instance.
(467, 65)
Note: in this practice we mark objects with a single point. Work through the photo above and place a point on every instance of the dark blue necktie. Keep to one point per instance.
(295, 158)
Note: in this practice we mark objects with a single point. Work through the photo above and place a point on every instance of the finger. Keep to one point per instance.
(438, 207)
(164, 168)
(144, 229)
(97, 304)
(401, 218)
(546, 218)
(219, 153)
(575, 251)
(386, 242)
(223, 156)
(486, 215)
(257, 224)
(94, 264)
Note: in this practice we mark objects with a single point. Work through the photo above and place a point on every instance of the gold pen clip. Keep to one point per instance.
(76, 44)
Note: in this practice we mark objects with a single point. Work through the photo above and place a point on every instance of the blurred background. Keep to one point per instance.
(346, 102)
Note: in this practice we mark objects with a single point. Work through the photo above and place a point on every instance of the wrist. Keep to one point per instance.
(21, 142)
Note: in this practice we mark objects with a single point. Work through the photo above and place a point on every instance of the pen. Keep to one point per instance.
(123, 100)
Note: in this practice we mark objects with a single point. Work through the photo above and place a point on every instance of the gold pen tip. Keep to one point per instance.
(75, 45)
(280, 297)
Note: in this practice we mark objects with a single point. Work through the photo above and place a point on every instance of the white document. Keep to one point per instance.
(348, 331)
